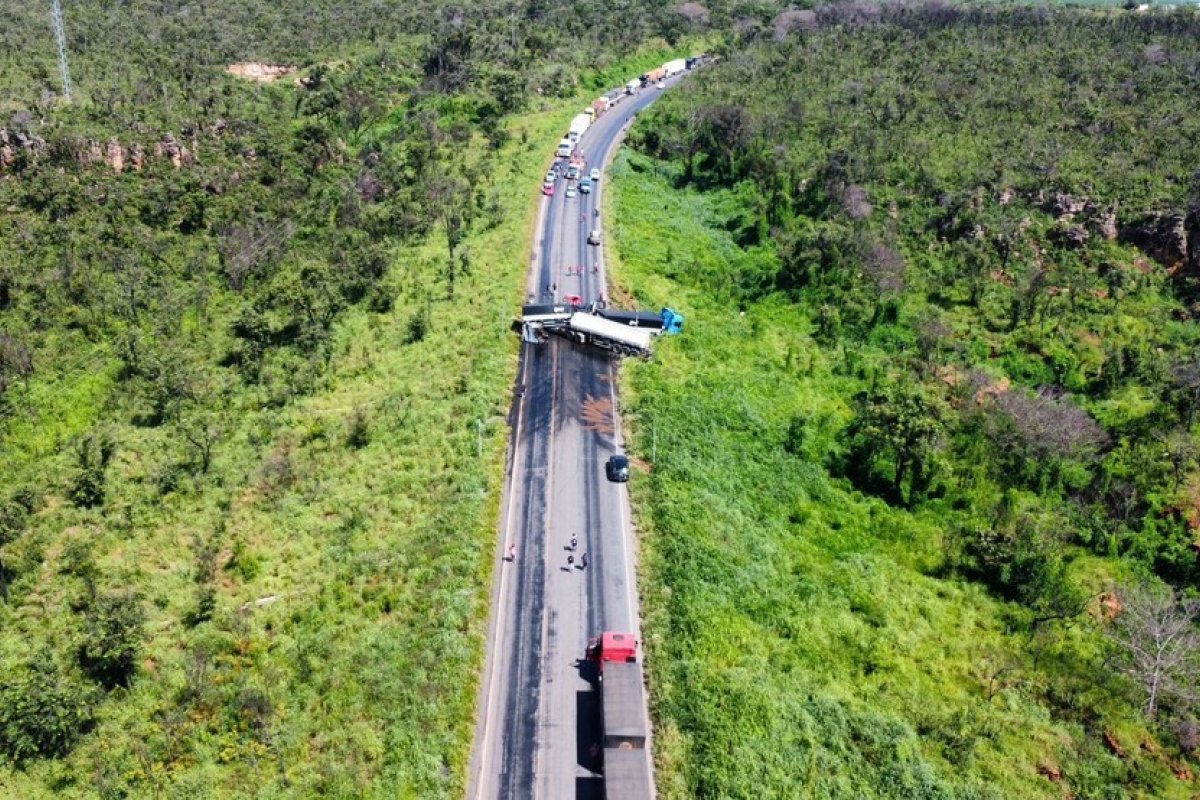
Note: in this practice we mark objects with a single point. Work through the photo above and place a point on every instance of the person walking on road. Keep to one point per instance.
(574, 543)
(583, 561)
(570, 561)
(512, 552)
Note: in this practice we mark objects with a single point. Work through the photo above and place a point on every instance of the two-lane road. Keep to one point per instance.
(538, 716)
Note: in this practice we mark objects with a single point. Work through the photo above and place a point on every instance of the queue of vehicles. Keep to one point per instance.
(611, 98)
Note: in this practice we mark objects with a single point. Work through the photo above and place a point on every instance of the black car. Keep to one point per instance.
(617, 469)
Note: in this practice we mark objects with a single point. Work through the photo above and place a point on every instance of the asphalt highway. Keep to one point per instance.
(538, 717)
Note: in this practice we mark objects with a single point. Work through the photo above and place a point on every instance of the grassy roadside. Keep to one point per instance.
(348, 533)
(800, 640)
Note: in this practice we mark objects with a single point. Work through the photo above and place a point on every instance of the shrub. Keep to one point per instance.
(43, 711)
(112, 641)
(93, 456)
(359, 435)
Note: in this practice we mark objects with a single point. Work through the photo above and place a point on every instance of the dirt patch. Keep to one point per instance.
(1110, 740)
(1050, 771)
(598, 414)
(257, 71)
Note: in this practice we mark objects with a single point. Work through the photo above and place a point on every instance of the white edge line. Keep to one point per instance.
(500, 605)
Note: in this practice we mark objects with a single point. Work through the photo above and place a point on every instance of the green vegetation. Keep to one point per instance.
(248, 334)
(925, 462)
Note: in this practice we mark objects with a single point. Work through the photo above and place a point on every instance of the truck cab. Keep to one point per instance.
(672, 321)
(612, 646)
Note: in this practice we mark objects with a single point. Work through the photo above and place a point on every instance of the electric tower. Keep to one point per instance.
(60, 36)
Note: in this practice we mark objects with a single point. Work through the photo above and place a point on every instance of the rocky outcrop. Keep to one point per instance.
(1172, 239)
(14, 143)
(262, 73)
(1065, 206)
(84, 153)
(116, 156)
(1105, 224)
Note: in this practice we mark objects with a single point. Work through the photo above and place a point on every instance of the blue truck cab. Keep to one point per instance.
(672, 321)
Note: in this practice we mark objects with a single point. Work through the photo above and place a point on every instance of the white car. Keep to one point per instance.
(595, 176)
(570, 191)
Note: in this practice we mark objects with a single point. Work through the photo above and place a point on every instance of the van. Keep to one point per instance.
(585, 185)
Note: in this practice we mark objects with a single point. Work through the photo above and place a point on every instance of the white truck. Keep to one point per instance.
(565, 147)
(578, 126)
(633, 86)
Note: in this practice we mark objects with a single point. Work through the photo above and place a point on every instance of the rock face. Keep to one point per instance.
(13, 143)
(87, 153)
(1172, 239)
(1064, 206)
(1105, 225)
(116, 156)
(262, 73)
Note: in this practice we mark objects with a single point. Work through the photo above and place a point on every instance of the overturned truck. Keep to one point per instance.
(627, 333)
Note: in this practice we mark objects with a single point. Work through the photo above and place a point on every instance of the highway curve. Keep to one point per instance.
(538, 716)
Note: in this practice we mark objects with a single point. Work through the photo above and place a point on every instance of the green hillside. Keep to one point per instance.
(923, 468)
(254, 372)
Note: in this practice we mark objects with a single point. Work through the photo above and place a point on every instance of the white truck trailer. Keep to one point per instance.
(578, 126)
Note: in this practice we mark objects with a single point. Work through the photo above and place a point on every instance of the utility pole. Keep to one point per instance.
(60, 36)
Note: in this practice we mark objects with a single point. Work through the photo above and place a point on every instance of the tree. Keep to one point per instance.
(895, 431)
(93, 454)
(16, 363)
(449, 200)
(43, 710)
(1158, 643)
(1185, 380)
(112, 640)
(203, 431)
(1046, 425)
(14, 518)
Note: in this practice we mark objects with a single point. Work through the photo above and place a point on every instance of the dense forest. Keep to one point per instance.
(254, 371)
(923, 506)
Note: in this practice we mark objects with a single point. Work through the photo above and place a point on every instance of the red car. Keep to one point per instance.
(548, 188)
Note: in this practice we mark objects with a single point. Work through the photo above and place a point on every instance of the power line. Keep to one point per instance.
(60, 36)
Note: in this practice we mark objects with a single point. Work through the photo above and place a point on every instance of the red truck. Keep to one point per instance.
(623, 715)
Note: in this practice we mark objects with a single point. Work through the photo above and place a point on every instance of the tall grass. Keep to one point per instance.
(350, 531)
(802, 640)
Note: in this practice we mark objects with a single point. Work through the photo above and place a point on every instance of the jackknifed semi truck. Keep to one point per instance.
(629, 336)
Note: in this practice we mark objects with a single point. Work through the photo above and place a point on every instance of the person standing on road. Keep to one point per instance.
(583, 561)
(574, 543)
(512, 552)
(570, 561)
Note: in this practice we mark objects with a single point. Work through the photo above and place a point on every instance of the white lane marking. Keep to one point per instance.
(537, 783)
(626, 529)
